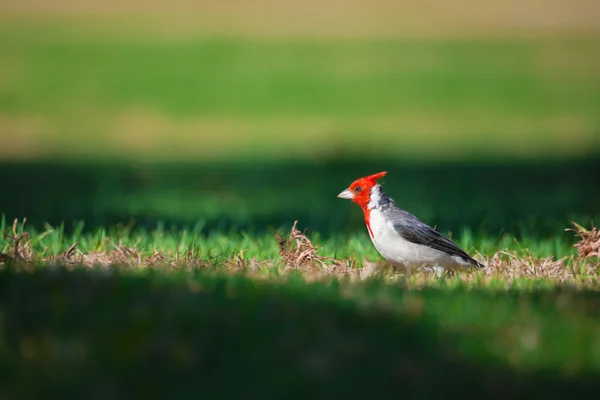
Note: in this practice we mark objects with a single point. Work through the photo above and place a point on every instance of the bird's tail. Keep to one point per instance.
(476, 264)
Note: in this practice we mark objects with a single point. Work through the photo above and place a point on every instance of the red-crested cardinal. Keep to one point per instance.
(400, 237)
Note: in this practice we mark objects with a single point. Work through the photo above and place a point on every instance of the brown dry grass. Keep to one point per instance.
(361, 18)
(589, 243)
(299, 254)
(146, 135)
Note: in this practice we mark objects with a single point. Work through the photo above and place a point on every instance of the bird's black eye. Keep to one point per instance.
(357, 189)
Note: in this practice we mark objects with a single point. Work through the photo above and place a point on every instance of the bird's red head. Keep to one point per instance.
(360, 190)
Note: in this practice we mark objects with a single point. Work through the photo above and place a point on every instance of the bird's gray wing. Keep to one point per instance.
(414, 230)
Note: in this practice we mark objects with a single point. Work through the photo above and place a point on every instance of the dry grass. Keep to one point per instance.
(299, 254)
(156, 136)
(356, 18)
(589, 243)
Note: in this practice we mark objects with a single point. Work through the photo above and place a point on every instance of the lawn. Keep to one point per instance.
(174, 334)
(149, 185)
(69, 92)
(181, 299)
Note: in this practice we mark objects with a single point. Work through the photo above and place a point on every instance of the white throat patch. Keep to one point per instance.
(375, 197)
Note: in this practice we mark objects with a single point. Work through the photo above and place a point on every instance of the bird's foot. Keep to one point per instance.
(439, 271)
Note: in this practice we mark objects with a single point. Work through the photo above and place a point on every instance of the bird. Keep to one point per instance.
(401, 238)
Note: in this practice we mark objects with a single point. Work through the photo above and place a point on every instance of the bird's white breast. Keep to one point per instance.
(397, 250)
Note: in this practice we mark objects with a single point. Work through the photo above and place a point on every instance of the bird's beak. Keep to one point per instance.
(346, 194)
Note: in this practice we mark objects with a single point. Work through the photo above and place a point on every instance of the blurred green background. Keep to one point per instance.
(249, 115)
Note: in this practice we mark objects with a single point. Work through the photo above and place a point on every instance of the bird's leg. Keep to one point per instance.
(439, 271)
(397, 266)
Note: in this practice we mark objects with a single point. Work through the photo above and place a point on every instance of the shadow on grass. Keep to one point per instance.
(490, 198)
(113, 335)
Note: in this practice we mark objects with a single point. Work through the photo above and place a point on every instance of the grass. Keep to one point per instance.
(69, 93)
(229, 214)
(224, 77)
(268, 257)
(168, 333)
(156, 174)
(519, 199)
(197, 289)
(222, 245)
(160, 323)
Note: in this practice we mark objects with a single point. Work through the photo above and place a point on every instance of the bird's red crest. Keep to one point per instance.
(376, 176)
(368, 181)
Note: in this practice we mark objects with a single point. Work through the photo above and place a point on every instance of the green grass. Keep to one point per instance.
(221, 245)
(81, 95)
(252, 77)
(484, 206)
(174, 334)
(164, 331)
